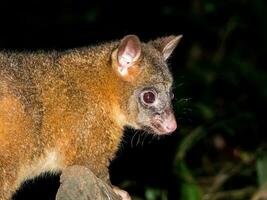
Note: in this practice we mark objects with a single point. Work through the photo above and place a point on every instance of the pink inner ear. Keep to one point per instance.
(129, 51)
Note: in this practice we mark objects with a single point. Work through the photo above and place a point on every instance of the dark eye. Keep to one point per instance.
(149, 97)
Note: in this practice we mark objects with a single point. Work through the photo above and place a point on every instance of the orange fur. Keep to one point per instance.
(52, 107)
(67, 108)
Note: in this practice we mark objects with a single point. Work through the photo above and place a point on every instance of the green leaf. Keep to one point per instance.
(192, 138)
(190, 190)
(209, 7)
(205, 111)
(262, 169)
(155, 193)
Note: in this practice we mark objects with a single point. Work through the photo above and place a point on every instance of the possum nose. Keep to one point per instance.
(164, 123)
(170, 123)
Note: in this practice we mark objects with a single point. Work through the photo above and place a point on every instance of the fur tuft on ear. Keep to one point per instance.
(126, 56)
(166, 45)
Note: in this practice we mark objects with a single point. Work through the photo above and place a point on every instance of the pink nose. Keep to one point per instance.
(171, 125)
(164, 123)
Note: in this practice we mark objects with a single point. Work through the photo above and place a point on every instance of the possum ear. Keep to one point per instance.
(166, 45)
(126, 56)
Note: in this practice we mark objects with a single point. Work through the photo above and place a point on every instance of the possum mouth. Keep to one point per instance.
(152, 130)
(159, 129)
(163, 123)
(156, 128)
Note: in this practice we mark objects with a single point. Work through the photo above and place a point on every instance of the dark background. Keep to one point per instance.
(220, 86)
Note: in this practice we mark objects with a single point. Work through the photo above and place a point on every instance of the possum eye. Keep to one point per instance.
(148, 97)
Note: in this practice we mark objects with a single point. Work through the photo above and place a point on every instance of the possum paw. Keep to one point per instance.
(123, 194)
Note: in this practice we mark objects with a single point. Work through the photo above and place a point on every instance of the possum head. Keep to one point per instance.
(146, 82)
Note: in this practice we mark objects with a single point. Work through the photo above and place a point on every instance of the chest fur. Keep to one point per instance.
(50, 161)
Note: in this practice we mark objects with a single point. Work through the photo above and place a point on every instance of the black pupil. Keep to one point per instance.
(149, 97)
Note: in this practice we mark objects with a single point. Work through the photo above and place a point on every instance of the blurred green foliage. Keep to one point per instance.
(226, 79)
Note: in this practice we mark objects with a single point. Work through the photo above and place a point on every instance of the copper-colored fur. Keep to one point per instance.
(59, 109)
(44, 111)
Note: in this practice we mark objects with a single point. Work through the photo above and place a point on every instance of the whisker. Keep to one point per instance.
(184, 100)
(132, 140)
(145, 136)
(139, 135)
